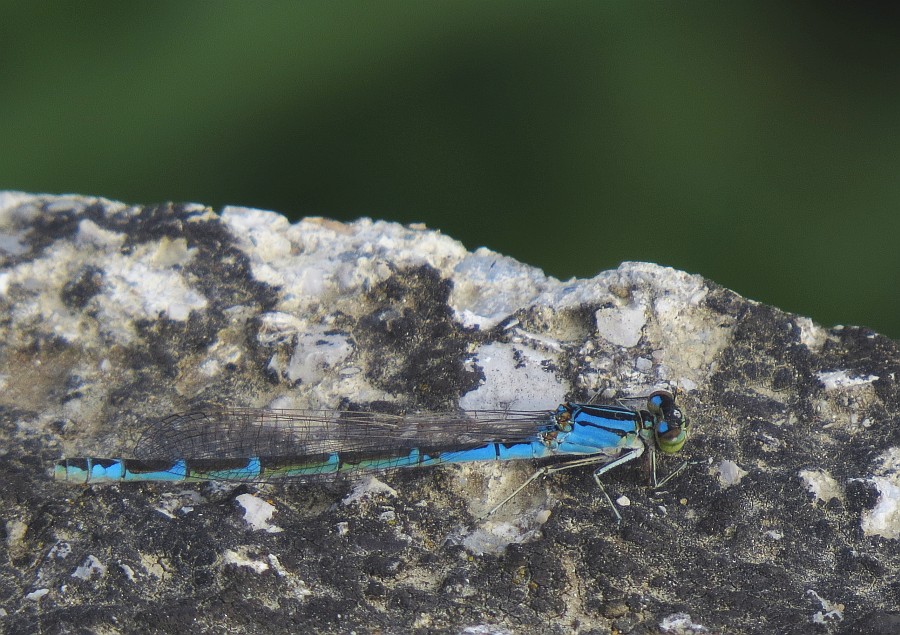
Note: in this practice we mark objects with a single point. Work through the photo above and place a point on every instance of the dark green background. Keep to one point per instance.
(756, 144)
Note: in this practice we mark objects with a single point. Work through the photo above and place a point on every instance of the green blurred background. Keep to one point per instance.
(756, 144)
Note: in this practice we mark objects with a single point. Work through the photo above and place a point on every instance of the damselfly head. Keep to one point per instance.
(671, 432)
(670, 426)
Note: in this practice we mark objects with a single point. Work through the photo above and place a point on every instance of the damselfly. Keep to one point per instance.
(261, 445)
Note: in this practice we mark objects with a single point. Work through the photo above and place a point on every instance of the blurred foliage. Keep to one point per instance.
(754, 143)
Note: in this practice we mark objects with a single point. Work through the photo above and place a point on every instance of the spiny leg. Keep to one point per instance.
(545, 471)
(541, 472)
(656, 483)
(671, 475)
(634, 452)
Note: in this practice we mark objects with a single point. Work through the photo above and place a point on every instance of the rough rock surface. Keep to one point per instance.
(787, 518)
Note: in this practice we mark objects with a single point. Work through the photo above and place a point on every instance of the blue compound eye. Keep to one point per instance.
(661, 403)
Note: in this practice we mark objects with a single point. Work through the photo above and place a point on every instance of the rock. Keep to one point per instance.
(116, 316)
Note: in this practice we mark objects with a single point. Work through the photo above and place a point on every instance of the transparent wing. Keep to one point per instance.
(233, 433)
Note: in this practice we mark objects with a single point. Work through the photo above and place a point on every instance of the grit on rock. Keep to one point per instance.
(786, 518)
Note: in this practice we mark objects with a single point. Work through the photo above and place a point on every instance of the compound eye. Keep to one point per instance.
(670, 440)
(661, 403)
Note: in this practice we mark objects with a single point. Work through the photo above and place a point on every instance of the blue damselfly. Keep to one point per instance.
(262, 445)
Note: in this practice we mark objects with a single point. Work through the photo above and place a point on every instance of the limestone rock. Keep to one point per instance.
(787, 518)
